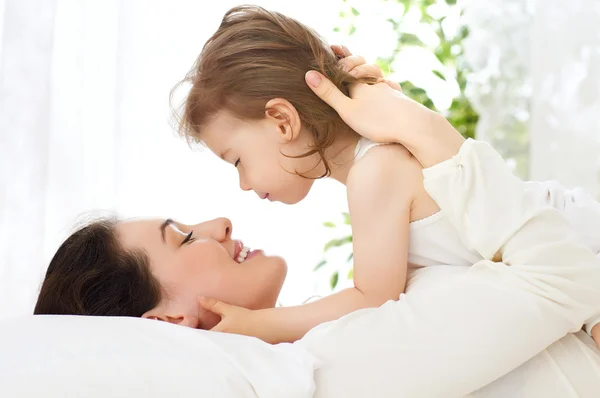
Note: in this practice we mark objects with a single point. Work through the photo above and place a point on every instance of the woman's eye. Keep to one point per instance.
(237, 163)
(189, 238)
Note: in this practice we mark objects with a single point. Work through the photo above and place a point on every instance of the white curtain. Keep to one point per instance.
(536, 85)
(565, 124)
(25, 125)
(84, 122)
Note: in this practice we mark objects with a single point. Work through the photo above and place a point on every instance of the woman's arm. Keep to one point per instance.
(427, 134)
(456, 338)
(383, 114)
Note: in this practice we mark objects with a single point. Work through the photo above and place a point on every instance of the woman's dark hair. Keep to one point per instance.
(92, 274)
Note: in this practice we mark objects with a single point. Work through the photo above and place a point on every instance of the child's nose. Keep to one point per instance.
(244, 186)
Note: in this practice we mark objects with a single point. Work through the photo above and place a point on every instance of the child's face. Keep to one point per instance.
(258, 151)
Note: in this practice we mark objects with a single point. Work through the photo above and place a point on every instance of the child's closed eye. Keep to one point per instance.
(237, 163)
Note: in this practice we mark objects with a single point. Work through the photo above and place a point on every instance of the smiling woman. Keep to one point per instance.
(157, 269)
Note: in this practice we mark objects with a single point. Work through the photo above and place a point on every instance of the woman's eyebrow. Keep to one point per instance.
(163, 227)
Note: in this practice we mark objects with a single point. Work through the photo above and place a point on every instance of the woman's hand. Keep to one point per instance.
(376, 102)
(357, 66)
(378, 111)
(237, 320)
(383, 114)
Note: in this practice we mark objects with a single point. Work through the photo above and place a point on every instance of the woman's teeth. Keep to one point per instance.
(243, 254)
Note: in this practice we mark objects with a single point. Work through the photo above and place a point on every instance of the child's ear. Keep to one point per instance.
(285, 116)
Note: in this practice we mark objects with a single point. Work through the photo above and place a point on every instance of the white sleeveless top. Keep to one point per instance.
(432, 240)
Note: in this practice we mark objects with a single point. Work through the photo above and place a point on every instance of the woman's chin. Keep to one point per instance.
(276, 265)
(282, 271)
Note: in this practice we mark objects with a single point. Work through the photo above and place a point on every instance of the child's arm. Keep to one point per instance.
(380, 192)
(381, 189)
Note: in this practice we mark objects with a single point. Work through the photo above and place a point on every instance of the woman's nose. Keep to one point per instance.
(219, 229)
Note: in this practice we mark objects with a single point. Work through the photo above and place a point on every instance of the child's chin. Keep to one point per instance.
(291, 201)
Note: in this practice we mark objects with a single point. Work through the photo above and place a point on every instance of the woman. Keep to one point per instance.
(154, 269)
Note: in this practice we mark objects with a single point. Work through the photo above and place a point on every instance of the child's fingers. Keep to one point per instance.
(219, 327)
(327, 91)
(213, 305)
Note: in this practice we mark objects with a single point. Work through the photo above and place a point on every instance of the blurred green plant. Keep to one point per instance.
(449, 51)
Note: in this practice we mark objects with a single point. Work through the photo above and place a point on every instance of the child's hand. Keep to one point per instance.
(237, 320)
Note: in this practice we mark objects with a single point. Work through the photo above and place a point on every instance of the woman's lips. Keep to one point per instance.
(253, 253)
(242, 253)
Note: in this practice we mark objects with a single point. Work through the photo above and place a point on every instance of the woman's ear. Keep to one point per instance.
(182, 318)
(286, 118)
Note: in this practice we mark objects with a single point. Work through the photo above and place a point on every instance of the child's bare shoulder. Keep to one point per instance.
(384, 164)
(387, 159)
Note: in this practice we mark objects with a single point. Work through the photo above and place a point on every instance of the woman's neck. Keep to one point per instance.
(340, 155)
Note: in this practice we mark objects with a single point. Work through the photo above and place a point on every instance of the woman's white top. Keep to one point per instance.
(434, 241)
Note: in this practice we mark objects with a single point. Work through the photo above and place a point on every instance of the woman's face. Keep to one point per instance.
(202, 260)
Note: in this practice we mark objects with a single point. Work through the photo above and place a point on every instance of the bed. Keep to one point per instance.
(75, 356)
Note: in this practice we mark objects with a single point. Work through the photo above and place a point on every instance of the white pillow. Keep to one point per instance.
(76, 356)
